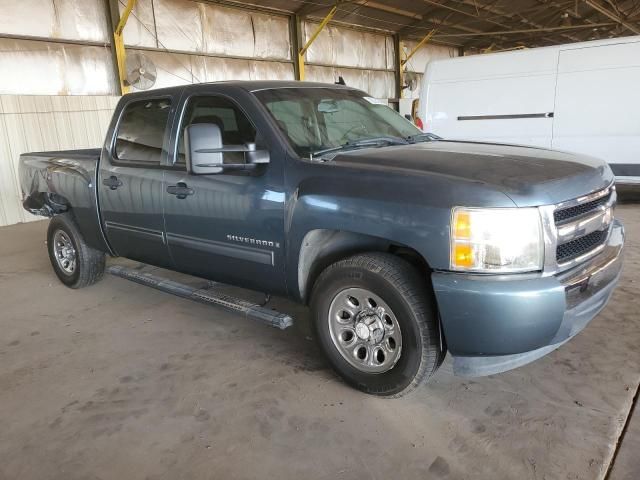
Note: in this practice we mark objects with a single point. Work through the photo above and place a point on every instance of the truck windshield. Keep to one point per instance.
(321, 120)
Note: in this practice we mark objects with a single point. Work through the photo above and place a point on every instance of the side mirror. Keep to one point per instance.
(204, 149)
(203, 144)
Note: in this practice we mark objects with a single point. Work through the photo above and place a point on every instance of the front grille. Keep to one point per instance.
(565, 214)
(570, 220)
(580, 246)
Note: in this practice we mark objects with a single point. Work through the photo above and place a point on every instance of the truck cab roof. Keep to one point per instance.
(247, 85)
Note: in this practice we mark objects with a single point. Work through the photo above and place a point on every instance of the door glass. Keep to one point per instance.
(234, 125)
(141, 131)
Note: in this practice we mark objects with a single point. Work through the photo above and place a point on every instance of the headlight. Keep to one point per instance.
(496, 240)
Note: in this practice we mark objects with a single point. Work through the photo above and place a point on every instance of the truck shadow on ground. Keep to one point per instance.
(306, 356)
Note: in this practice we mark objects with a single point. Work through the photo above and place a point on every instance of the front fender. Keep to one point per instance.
(406, 210)
(398, 223)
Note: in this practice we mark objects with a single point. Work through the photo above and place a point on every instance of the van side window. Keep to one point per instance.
(234, 125)
(141, 131)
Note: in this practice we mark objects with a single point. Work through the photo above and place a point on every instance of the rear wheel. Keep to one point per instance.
(75, 263)
(375, 319)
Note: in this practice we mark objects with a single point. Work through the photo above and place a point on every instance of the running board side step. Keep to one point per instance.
(250, 310)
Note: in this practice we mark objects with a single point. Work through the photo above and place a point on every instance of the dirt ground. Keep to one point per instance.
(119, 381)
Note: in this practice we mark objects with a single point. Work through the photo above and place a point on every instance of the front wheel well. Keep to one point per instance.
(323, 247)
(413, 257)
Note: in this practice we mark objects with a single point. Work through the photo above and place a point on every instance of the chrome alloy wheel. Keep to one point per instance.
(364, 330)
(64, 252)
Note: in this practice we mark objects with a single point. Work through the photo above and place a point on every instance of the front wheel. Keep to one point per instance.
(76, 264)
(375, 319)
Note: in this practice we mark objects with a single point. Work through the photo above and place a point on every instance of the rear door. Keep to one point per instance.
(130, 180)
(598, 104)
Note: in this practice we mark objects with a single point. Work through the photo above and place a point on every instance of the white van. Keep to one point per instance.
(581, 97)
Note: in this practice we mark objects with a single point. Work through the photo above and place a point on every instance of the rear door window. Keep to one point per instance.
(141, 132)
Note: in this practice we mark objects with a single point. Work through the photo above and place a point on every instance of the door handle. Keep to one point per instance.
(112, 182)
(181, 190)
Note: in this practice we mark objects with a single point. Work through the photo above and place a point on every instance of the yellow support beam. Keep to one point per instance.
(510, 49)
(312, 39)
(401, 64)
(118, 43)
(403, 61)
(419, 45)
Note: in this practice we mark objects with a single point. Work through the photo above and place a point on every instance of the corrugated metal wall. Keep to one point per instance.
(204, 42)
(67, 47)
(47, 68)
(36, 123)
(365, 60)
(61, 48)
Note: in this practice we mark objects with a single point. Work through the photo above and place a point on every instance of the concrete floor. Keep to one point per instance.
(626, 465)
(119, 381)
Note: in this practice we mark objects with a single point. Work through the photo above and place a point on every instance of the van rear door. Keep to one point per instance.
(598, 105)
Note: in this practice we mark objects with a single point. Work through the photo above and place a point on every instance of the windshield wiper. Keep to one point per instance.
(422, 137)
(365, 142)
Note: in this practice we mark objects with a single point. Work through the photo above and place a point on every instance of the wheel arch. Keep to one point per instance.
(321, 247)
(89, 263)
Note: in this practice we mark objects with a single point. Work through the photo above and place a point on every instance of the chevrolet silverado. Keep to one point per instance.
(406, 246)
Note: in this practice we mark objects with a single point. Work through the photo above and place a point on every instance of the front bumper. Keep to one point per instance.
(497, 323)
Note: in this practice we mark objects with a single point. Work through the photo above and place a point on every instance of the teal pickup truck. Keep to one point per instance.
(406, 246)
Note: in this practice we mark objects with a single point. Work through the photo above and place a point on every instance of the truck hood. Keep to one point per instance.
(530, 176)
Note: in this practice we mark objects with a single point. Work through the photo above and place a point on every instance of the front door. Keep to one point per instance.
(130, 182)
(228, 227)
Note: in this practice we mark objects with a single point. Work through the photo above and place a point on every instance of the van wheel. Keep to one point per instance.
(375, 319)
(76, 264)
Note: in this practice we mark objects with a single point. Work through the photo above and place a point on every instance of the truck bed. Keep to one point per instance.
(79, 154)
(57, 181)
(56, 172)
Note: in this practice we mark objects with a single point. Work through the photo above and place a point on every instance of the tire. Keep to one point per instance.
(412, 327)
(76, 264)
